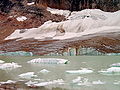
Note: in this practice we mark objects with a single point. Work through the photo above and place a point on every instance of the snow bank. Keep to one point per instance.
(85, 22)
(48, 61)
(27, 75)
(83, 71)
(9, 66)
(21, 18)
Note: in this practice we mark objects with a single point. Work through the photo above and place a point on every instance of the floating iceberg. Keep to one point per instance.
(98, 82)
(44, 71)
(9, 66)
(17, 53)
(27, 75)
(111, 71)
(8, 82)
(59, 81)
(1, 61)
(83, 71)
(115, 65)
(49, 61)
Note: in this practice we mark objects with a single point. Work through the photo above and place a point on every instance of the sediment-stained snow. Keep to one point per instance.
(85, 22)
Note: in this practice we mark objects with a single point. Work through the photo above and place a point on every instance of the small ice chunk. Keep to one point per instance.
(48, 61)
(31, 83)
(98, 82)
(8, 82)
(21, 18)
(9, 66)
(1, 61)
(83, 71)
(115, 65)
(78, 79)
(27, 75)
(114, 69)
(59, 81)
(30, 3)
(44, 71)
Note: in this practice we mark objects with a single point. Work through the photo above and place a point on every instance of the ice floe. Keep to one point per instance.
(98, 82)
(44, 71)
(115, 65)
(111, 71)
(28, 75)
(1, 61)
(48, 61)
(8, 82)
(30, 3)
(21, 18)
(9, 66)
(82, 71)
(38, 84)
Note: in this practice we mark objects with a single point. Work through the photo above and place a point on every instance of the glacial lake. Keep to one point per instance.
(89, 81)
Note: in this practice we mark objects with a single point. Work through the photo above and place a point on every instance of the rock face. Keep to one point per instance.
(76, 5)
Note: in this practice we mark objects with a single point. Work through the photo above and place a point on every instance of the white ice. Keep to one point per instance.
(44, 71)
(9, 66)
(30, 3)
(82, 71)
(48, 61)
(28, 75)
(8, 82)
(1, 61)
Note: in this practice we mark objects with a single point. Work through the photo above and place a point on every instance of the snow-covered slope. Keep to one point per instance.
(85, 22)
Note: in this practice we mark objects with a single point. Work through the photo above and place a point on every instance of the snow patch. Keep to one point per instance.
(21, 18)
(115, 65)
(30, 3)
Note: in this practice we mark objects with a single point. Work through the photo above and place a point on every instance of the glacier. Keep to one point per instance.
(77, 24)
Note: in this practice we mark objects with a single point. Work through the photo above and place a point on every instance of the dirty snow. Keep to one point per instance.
(21, 18)
(85, 22)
